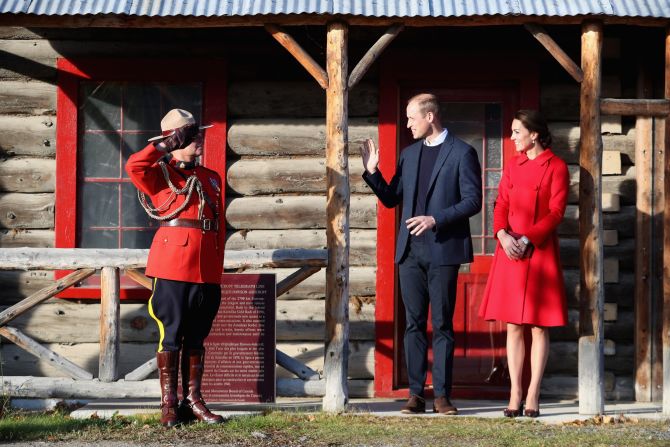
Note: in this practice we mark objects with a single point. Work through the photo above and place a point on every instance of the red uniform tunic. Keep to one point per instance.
(179, 253)
(532, 197)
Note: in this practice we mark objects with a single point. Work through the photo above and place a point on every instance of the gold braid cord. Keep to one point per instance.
(193, 182)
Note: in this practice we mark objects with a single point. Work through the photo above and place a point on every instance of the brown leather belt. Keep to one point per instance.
(204, 224)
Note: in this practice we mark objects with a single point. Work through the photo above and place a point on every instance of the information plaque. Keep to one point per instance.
(240, 349)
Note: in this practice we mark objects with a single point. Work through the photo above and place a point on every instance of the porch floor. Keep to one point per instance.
(553, 412)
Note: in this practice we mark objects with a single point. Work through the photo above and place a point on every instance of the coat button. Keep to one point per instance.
(511, 186)
(537, 188)
(165, 240)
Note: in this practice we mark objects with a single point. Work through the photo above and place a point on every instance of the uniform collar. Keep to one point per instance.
(184, 164)
(543, 158)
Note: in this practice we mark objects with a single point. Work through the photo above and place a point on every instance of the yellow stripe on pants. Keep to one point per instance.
(161, 329)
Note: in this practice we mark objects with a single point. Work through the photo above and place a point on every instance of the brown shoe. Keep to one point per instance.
(443, 405)
(415, 404)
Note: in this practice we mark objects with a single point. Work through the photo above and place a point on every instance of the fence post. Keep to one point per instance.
(110, 308)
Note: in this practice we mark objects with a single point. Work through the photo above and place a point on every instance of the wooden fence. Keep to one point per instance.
(81, 383)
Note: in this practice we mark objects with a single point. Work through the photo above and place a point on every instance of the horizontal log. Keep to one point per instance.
(363, 243)
(361, 283)
(620, 331)
(86, 355)
(361, 357)
(624, 251)
(276, 176)
(28, 175)
(30, 98)
(565, 386)
(563, 358)
(61, 363)
(69, 322)
(16, 285)
(560, 102)
(623, 185)
(295, 368)
(290, 99)
(74, 258)
(566, 142)
(305, 320)
(26, 238)
(623, 221)
(28, 135)
(66, 388)
(317, 388)
(18, 210)
(293, 136)
(281, 212)
(619, 293)
(635, 107)
(285, 257)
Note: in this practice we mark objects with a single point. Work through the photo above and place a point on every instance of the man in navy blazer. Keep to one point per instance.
(438, 180)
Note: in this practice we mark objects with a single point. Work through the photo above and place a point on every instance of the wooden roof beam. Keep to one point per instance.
(635, 107)
(301, 55)
(555, 50)
(373, 53)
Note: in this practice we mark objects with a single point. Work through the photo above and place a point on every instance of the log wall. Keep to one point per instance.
(276, 198)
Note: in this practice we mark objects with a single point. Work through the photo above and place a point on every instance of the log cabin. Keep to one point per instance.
(294, 89)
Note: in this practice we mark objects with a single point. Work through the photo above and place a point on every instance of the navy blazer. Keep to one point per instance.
(454, 195)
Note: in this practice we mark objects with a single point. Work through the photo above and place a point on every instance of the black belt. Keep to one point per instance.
(204, 224)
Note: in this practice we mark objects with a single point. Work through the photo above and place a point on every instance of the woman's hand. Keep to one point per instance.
(513, 249)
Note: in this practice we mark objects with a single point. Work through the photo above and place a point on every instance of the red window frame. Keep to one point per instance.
(210, 72)
(398, 70)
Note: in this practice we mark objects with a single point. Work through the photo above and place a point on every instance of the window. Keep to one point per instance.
(106, 111)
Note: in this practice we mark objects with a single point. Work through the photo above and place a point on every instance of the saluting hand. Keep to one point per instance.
(370, 156)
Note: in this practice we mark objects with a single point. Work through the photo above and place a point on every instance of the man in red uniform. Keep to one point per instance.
(185, 260)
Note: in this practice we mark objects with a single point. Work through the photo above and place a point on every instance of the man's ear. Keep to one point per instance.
(430, 116)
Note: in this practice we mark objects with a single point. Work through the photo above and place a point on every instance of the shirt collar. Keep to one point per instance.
(540, 159)
(437, 141)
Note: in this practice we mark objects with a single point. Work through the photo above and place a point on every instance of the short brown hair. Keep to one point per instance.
(427, 102)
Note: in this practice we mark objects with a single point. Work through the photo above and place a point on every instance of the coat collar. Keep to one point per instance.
(445, 150)
(541, 159)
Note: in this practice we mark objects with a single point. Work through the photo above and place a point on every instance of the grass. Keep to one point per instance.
(302, 429)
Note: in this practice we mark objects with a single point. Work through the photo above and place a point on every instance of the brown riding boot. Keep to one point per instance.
(168, 362)
(192, 405)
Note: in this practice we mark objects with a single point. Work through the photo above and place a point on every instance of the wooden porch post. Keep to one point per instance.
(110, 308)
(337, 226)
(666, 242)
(591, 330)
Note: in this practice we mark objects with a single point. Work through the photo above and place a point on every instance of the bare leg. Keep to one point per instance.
(515, 353)
(539, 352)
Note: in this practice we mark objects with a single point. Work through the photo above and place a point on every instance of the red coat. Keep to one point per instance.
(532, 196)
(179, 253)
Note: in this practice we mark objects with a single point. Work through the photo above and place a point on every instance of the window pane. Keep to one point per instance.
(100, 155)
(133, 142)
(493, 144)
(137, 238)
(99, 239)
(492, 179)
(100, 106)
(183, 96)
(142, 107)
(133, 215)
(477, 245)
(476, 224)
(490, 198)
(99, 204)
(491, 246)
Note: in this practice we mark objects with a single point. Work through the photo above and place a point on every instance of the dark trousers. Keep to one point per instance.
(421, 283)
(184, 312)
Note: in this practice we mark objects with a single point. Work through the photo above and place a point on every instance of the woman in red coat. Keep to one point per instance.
(525, 284)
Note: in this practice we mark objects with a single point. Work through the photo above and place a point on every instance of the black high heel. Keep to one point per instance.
(512, 413)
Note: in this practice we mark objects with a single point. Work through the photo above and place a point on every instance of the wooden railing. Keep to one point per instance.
(81, 383)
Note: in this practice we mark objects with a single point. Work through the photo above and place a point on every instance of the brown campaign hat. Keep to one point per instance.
(175, 119)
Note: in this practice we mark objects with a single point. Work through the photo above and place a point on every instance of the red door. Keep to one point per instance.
(479, 112)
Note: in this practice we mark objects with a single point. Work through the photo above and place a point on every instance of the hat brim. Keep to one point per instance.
(160, 137)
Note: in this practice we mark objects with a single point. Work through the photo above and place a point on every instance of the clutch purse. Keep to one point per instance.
(530, 248)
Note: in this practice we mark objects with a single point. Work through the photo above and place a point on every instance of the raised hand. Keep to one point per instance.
(370, 156)
(178, 139)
